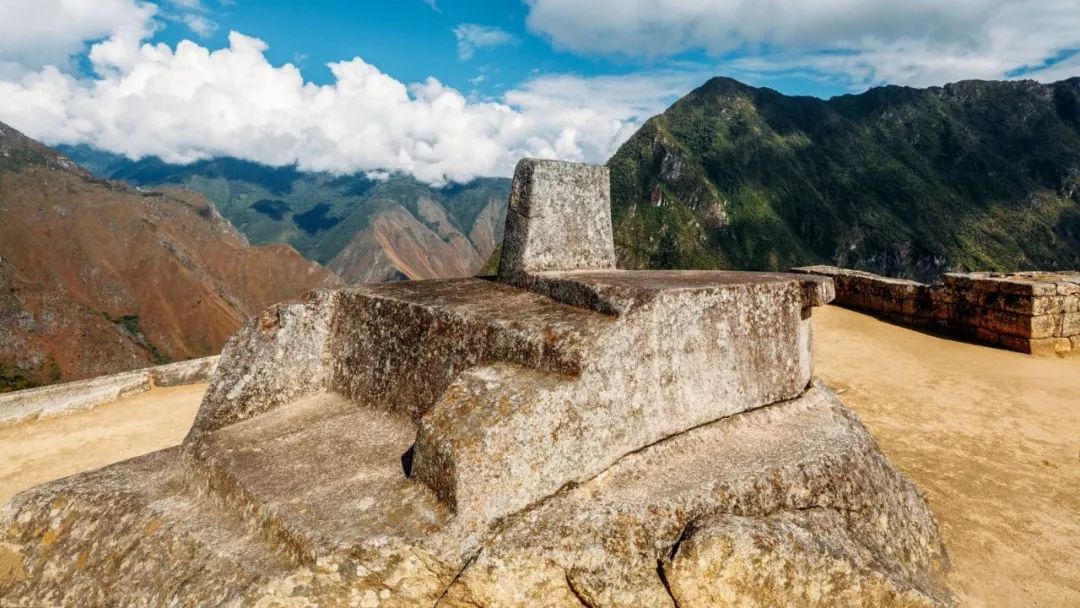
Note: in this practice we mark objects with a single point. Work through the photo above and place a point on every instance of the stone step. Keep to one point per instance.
(321, 476)
(394, 346)
(400, 345)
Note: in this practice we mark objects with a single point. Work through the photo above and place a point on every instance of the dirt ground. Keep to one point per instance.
(992, 437)
(36, 452)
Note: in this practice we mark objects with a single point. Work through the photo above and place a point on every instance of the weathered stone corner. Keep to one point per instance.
(559, 219)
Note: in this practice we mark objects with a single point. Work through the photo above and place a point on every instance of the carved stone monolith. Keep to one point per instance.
(566, 435)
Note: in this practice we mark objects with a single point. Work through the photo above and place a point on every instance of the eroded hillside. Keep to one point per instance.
(98, 277)
(367, 229)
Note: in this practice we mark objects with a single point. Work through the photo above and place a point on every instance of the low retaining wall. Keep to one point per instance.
(59, 399)
(1029, 312)
(193, 371)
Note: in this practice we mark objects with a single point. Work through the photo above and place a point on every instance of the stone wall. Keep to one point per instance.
(1029, 312)
(59, 399)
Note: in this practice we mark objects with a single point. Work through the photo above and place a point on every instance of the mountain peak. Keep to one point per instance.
(723, 84)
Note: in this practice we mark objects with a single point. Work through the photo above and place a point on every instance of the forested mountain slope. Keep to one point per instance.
(901, 181)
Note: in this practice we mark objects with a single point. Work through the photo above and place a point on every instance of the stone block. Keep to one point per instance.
(1070, 324)
(1049, 347)
(908, 307)
(1013, 324)
(891, 303)
(559, 218)
(274, 359)
(940, 293)
(1025, 305)
(1069, 287)
(1014, 286)
(391, 346)
(941, 311)
(987, 336)
(966, 314)
(702, 349)
(956, 281)
(1015, 343)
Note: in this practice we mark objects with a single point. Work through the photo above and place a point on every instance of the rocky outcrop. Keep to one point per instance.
(571, 436)
(1029, 312)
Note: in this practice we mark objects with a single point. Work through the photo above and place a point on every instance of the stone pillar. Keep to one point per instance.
(559, 219)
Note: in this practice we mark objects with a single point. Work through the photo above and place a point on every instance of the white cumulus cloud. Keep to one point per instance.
(37, 33)
(189, 102)
(472, 36)
(200, 24)
(916, 42)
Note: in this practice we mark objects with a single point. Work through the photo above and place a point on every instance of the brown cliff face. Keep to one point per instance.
(97, 277)
(397, 245)
(487, 230)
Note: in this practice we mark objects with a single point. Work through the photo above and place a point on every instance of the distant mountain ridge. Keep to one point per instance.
(366, 230)
(900, 181)
(98, 277)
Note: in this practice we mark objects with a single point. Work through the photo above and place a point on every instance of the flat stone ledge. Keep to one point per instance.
(618, 292)
(60, 399)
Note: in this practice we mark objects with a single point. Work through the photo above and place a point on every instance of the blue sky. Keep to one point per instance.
(412, 40)
(448, 90)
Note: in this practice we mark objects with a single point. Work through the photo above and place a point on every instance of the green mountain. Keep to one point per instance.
(901, 181)
(364, 229)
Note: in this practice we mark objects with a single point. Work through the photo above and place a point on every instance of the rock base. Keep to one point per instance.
(788, 504)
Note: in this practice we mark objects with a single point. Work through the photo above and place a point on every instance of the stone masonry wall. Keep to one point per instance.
(1033, 312)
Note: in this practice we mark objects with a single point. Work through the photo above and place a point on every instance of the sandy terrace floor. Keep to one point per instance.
(992, 437)
(37, 452)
